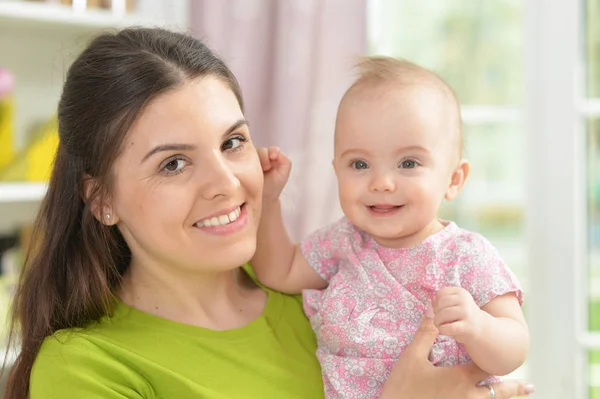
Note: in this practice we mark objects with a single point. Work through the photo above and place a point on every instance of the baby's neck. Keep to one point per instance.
(412, 240)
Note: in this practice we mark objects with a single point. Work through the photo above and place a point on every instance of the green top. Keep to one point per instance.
(134, 354)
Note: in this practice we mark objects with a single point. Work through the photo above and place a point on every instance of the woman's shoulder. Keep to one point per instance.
(68, 348)
(69, 340)
(71, 364)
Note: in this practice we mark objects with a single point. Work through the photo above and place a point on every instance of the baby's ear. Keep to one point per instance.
(457, 180)
(101, 211)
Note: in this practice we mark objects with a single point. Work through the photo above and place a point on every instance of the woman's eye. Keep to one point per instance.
(174, 165)
(408, 164)
(359, 165)
(233, 143)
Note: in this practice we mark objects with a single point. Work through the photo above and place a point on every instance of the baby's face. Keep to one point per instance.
(396, 151)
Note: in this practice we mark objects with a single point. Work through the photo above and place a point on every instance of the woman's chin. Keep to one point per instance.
(232, 256)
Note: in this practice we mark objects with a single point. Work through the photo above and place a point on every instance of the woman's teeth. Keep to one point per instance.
(221, 220)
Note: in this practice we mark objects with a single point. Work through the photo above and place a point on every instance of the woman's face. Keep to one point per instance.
(188, 182)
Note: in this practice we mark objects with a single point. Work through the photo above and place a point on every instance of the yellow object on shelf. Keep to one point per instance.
(40, 154)
(6, 119)
(34, 164)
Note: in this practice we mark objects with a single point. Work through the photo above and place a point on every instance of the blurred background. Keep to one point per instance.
(527, 74)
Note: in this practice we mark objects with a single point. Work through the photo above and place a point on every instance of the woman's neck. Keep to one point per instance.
(217, 300)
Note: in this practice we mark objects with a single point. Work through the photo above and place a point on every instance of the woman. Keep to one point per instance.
(134, 289)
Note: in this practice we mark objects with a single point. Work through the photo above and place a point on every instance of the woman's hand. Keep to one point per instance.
(414, 376)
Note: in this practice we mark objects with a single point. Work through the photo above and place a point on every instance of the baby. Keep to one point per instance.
(368, 279)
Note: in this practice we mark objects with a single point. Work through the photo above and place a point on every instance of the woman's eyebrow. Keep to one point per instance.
(236, 125)
(190, 147)
(168, 147)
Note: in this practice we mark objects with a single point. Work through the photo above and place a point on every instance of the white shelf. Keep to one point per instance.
(21, 192)
(33, 15)
(19, 203)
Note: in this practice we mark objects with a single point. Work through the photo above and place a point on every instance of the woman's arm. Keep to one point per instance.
(415, 377)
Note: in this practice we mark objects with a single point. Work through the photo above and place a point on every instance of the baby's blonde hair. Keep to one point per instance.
(385, 68)
(376, 70)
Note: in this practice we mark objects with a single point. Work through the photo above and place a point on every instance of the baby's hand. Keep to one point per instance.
(276, 168)
(456, 314)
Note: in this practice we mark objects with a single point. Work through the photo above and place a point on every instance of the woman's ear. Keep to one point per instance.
(101, 210)
(457, 180)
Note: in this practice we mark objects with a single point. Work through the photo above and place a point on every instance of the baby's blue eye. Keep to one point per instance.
(408, 164)
(360, 165)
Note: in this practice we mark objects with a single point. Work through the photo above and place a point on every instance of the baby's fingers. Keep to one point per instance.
(265, 161)
(448, 315)
(279, 161)
(453, 329)
(274, 153)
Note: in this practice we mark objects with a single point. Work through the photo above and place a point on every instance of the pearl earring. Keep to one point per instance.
(107, 216)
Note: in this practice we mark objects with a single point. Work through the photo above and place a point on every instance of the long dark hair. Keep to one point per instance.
(75, 263)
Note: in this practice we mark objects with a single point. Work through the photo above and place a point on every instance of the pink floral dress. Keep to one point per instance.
(377, 296)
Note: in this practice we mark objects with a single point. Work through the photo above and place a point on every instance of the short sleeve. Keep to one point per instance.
(322, 248)
(482, 270)
(72, 367)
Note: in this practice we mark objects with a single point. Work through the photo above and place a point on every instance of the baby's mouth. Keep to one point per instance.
(384, 208)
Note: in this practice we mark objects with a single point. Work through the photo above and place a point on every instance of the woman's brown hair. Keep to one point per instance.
(75, 264)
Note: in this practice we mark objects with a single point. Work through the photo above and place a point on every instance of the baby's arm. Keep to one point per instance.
(503, 340)
(484, 313)
(278, 262)
(495, 336)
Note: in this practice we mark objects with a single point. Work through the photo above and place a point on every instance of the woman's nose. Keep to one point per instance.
(220, 179)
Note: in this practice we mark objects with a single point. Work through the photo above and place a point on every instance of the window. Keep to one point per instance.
(528, 78)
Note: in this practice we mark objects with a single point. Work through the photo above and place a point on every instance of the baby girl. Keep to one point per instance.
(368, 279)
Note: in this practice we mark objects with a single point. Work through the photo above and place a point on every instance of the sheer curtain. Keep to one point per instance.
(294, 61)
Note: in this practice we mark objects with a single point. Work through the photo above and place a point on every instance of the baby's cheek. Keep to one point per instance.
(348, 202)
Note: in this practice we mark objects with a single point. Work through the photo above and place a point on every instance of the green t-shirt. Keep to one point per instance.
(133, 354)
